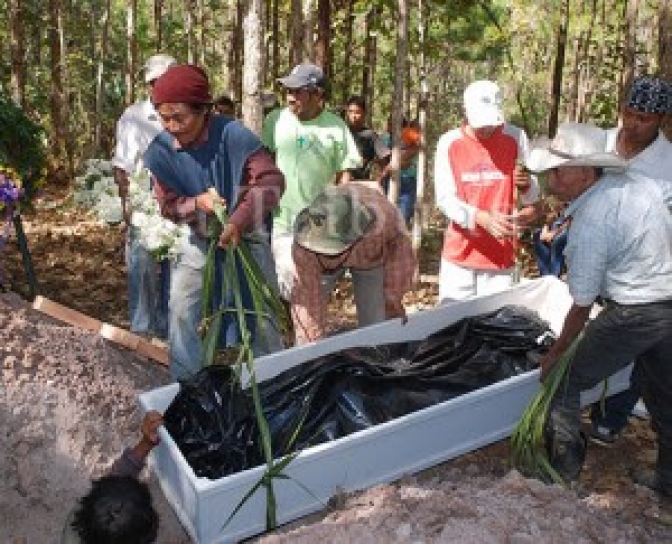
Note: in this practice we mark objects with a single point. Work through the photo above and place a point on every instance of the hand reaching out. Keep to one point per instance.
(206, 201)
(150, 427)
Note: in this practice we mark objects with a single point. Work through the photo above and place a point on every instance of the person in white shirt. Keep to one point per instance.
(477, 180)
(619, 249)
(648, 153)
(137, 127)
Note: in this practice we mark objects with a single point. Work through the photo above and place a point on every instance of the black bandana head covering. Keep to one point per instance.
(650, 95)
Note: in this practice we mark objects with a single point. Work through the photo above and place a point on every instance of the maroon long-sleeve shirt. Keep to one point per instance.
(260, 190)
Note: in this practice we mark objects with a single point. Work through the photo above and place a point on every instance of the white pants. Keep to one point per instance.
(459, 283)
(281, 245)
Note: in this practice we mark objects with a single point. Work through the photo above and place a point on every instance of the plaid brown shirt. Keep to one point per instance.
(385, 245)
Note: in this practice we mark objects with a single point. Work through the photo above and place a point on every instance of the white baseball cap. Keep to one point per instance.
(157, 65)
(483, 104)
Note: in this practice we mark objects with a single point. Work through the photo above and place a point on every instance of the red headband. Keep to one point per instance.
(182, 84)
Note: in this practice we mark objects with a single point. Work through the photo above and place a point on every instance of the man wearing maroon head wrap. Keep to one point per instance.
(196, 153)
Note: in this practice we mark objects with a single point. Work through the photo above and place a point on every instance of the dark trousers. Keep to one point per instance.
(619, 335)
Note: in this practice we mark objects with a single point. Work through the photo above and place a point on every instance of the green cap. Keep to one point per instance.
(333, 222)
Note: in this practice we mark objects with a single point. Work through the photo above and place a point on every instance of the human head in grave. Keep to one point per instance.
(116, 509)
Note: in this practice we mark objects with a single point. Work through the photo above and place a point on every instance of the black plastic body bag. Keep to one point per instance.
(213, 423)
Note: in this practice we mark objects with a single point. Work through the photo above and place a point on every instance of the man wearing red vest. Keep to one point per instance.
(475, 177)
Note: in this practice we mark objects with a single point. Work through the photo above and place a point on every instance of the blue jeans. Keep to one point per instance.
(147, 307)
(619, 335)
(550, 257)
(407, 195)
(186, 346)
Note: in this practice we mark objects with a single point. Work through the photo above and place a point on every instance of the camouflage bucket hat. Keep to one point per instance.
(333, 222)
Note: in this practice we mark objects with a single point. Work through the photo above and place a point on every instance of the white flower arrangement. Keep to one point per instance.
(159, 235)
(97, 180)
(97, 191)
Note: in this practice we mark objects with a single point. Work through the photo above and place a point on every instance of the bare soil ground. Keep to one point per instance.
(68, 408)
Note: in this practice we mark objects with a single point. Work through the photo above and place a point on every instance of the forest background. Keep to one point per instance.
(73, 65)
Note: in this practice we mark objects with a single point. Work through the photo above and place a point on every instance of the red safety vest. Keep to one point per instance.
(483, 172)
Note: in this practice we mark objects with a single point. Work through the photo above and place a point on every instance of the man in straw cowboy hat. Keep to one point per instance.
(620, 249)
(349, 227)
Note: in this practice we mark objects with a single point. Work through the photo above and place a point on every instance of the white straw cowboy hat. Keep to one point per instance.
(575, 144)
(333, 222)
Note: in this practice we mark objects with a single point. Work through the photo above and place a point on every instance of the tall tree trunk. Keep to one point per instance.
(323, 43)
(253, 112)
(423, 99)
(665, 51)
(274, 41)
(596, 57)
(575, 80)
(629, 47)
(558, 68)
(397, 95)
(588, 63)
(369, 57)
(202, 24)
(158, 24)
(58, 98)
(189, 18)
(131, 50)
(237, 46)
(347, 53)
(297, 33)
(665, 39)
(235, 52)
(18, 53)
(100, 69)
(225, 43)
(309, 31)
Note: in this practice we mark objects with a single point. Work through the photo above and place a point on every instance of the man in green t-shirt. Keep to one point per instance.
(313, 148)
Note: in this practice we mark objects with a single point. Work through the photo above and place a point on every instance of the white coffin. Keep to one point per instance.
(380, 454)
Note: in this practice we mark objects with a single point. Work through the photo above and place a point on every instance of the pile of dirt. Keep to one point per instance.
(469, 504)
(68, 407)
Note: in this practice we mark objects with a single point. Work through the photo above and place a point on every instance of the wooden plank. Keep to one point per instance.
(157, 353)
(63, 313)
(114, 334)
(120, 336)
